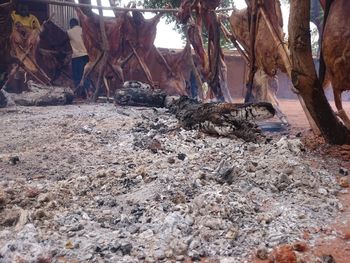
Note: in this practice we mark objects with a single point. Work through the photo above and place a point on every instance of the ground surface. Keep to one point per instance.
(95, 183)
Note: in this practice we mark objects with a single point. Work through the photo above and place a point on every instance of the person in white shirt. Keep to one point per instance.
(79, 57)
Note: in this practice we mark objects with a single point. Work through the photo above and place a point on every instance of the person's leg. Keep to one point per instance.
(86, 84)
(75, 71)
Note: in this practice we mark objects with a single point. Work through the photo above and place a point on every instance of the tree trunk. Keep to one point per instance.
(304, 76)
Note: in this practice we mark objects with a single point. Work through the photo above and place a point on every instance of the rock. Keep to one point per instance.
(292, 145)
(344, 182)
(44, 198)
(141, 255)
(232, 233)
(251, 148)
(11, 217)
(181, 156)
(32, 192)
(171, 160)
(40, 214)
(262, 253)
(77, 227)
(284, 254)
(343, 171)
(322, 191)
(194, 255)
(226, 176)
(328, 259)
(14, 160)
(146, 234)
(2, 198)
(347, 235)
(300, 246)
(87, 257)
(126, 248)
(283, 182)
(178, 247)
(69, 245)
(214, 223)
(114, 248)
(289, 170)
(266, 218)
(154, 146)
(159, 254)
(44, 259)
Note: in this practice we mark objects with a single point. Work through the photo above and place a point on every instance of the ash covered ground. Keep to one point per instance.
(99, 183)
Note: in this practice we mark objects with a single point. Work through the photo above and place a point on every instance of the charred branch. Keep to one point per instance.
(219, 119)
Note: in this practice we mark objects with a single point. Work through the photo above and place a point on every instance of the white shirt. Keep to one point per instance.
(76, 41)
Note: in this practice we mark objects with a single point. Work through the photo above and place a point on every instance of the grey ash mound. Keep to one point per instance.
(98, 184)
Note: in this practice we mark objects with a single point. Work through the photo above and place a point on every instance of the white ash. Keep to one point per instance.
(108, 192)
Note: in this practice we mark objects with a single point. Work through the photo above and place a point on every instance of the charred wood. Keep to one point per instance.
(219, 119)
(135, 93)
(41, 95)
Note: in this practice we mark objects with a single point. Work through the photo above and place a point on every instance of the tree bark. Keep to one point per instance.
(304, 76)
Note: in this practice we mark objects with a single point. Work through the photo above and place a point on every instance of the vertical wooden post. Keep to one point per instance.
(105, 51)
(252, 19)
(322, 70)
(285, 56)
(304, 76)
(194, 68)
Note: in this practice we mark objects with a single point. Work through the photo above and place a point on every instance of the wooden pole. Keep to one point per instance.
(322, 69)
(252, 18)
(281, 46)
(194, 68)
(105, 51)
(143, 65)
(165, 63)
(6, 4)
(26, 55)
(230, 36)
(123, 9)
(284, 53)
(304, 76)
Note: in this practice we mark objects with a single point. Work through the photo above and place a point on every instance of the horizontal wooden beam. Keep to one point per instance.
(6, 4)
(122, 9)
(65, 3)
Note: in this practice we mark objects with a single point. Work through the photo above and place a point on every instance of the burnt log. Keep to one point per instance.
(135, 93)
(219, 119)
(223, 119)
(192, 112)
(39, 95)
